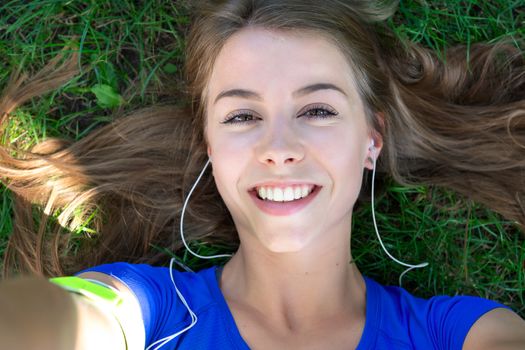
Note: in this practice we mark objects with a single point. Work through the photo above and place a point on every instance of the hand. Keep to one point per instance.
(34, 314)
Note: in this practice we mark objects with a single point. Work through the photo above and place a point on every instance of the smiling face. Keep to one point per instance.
(287, 136)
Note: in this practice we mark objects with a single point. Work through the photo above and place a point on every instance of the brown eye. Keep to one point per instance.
(239, 118)
(319, 112)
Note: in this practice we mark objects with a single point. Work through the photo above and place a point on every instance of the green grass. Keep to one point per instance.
(134, 53)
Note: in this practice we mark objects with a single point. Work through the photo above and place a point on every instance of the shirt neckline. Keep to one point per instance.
(371, 315)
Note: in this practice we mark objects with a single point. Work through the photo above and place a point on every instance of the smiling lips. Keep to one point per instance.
(280, 201)
(286, 194)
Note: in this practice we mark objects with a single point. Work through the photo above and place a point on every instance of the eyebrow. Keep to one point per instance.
(298, 93)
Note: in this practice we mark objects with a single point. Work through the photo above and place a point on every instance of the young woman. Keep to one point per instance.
(293, 101)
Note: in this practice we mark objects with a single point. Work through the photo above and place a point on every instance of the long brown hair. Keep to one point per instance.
(453, 123)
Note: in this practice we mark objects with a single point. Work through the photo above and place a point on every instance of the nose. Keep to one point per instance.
(280, 145)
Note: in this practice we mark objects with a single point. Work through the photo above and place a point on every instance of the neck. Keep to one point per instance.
(296, 290)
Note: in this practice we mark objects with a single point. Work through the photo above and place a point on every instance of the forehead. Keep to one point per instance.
(262, 59)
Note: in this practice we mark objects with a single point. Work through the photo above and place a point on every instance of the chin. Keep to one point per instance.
(285, 244)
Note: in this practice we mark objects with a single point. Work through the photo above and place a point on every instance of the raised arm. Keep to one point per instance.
(36, 314)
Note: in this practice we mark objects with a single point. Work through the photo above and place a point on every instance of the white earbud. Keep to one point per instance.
(409, 266)
(372, 148)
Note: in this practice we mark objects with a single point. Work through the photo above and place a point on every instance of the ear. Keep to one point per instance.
(208, 150)
(375, 143)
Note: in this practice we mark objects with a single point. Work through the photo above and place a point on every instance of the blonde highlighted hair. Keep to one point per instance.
(455, 123)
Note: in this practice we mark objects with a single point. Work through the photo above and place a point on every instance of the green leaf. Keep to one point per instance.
(107, 97)
(106, 74)
(170, 68)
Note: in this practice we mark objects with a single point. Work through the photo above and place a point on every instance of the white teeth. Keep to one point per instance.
(305, 191)
(298, 193)
(262, 192)
(287, 194)
(278, 195)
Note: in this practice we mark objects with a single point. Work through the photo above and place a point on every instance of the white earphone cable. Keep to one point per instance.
(182, 220)
(410, 266)
(194, 319)
(193, 316)
(161, 342)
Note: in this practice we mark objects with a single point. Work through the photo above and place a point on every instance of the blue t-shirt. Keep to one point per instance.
(394, 318)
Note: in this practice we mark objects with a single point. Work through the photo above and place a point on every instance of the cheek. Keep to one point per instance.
(230, 149)
(341, 146)
(230, 156)
(225, 175)
(224, 139)
(343, 153)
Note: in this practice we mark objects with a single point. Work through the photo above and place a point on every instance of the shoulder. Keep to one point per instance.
(440, 322)
(156, 293)
(499, 329)
(147, 281)
(150, 283)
